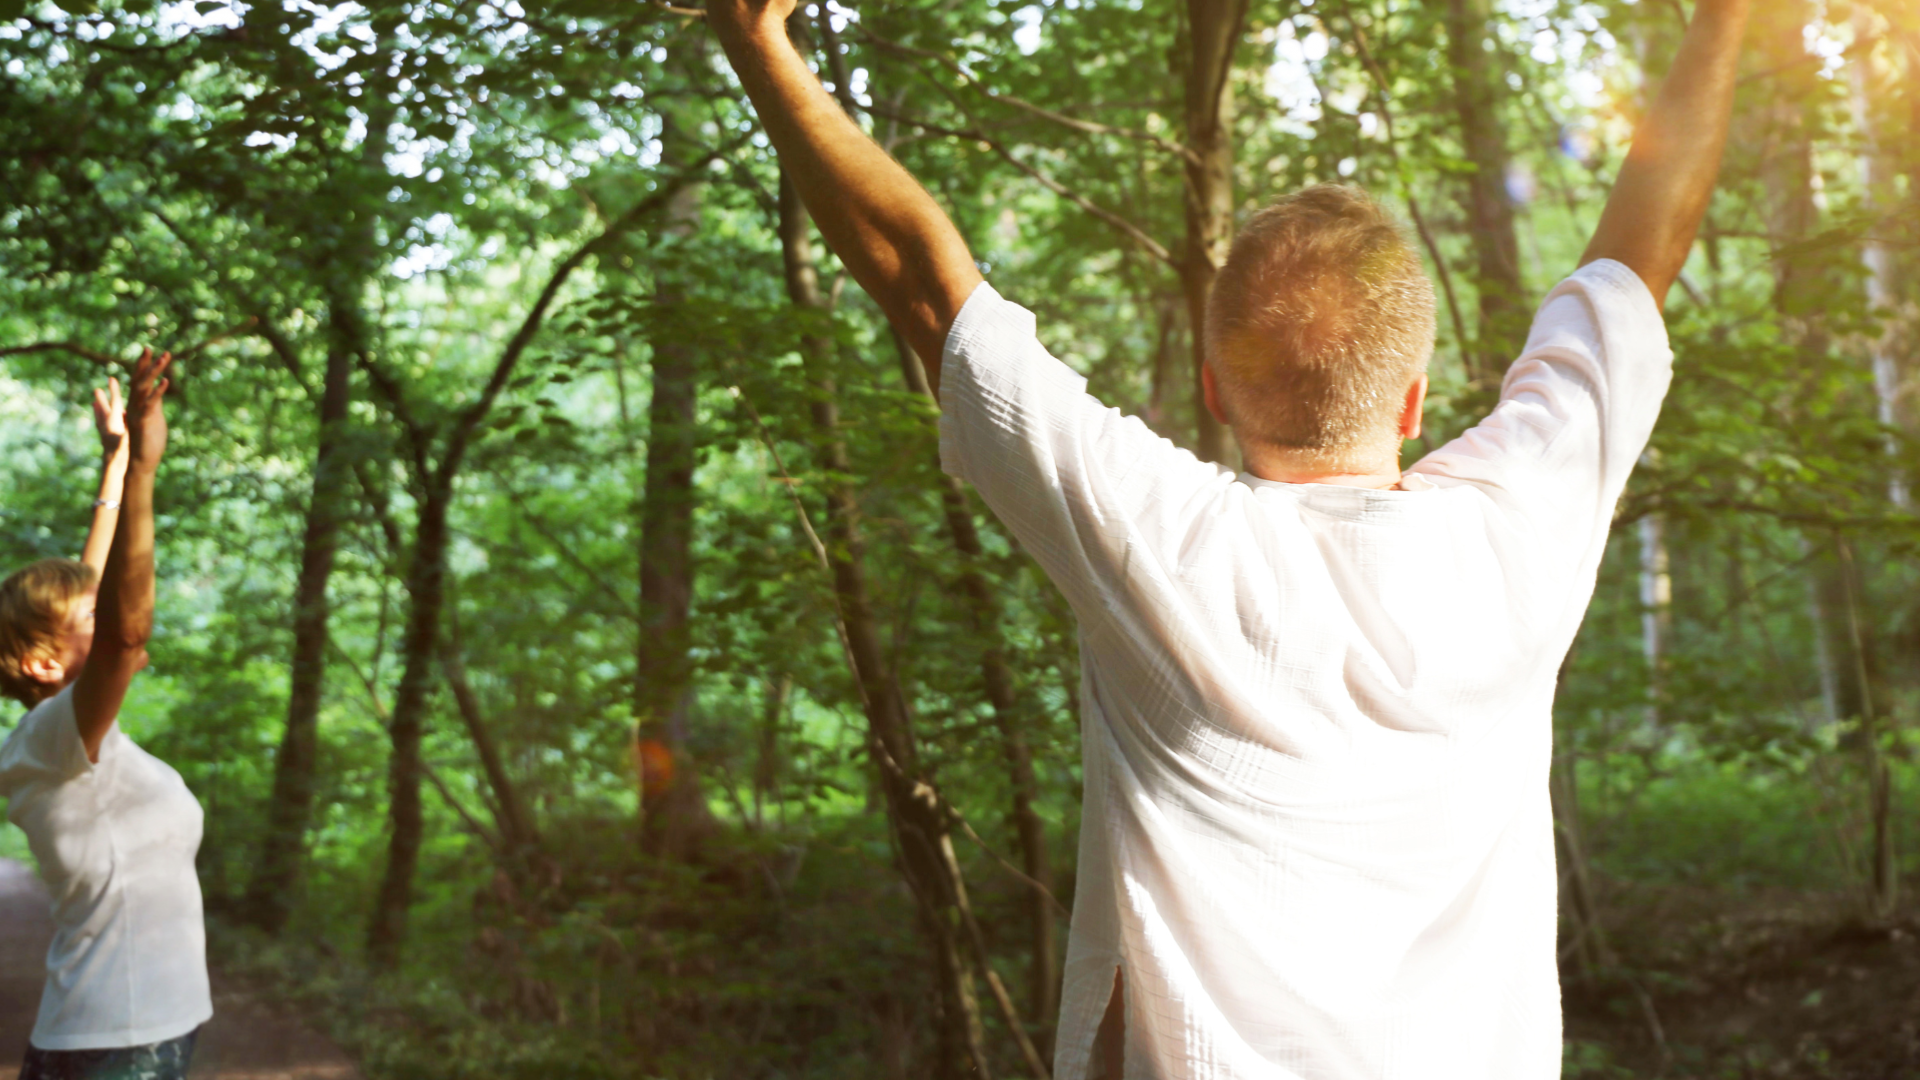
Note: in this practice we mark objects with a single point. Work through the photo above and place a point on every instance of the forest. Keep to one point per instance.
(563, 615)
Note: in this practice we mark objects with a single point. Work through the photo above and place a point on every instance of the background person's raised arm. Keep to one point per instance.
(1662, 192)
(894, 239)
(123, 615)
(110, 419)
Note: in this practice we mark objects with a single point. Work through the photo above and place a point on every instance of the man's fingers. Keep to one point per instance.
(151, 371)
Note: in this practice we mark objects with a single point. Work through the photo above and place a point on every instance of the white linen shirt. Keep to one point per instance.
(1317, 720)
(115, 841)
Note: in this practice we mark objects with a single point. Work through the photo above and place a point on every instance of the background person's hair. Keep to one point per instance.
(1317, 324)
(34, 604)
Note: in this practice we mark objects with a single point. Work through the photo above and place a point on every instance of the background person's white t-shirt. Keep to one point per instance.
(115, 842)
(1317, 720)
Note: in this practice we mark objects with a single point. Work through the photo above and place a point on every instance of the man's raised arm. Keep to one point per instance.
(1662, 192)
(893, 238)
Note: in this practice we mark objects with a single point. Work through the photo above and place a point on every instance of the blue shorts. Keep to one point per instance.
(154, 1061)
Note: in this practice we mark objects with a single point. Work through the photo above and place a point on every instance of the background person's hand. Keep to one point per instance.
(146, 422)
(110, 418)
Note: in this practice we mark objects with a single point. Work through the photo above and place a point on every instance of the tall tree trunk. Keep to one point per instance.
(912, 807)
(1477, 93)
(1213, 32)
(1043, 971)
(674, 811)
(1845, 645)
(426, 590)
(283, 852)
(269, 898)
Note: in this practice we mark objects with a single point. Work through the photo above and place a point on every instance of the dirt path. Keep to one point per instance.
(244, 1041)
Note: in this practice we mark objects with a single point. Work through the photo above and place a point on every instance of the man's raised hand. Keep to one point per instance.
(146, 421)
(888, 232)
(748, 18)
(1664, 187)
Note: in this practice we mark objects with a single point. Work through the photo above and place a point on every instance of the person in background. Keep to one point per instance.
(114, 828)
(1316, 695)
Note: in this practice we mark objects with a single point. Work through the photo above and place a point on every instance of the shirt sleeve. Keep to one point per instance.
(46, 745)
(1081, 486)
(1575, 412)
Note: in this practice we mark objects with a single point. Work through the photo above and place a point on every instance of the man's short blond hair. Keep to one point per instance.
(1318, 323)
(35, 603)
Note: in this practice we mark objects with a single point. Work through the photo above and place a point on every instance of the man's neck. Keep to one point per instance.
(1294, 467)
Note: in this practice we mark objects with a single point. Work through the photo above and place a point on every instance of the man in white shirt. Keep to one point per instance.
(1317, 697)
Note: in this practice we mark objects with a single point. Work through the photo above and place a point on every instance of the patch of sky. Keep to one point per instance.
(1824, 41)
(431, 252)
(1026, 29)
(281, 142)
(187, 16)
(1290, 78)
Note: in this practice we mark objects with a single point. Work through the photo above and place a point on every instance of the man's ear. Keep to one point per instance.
(1410, 410)
(1212, 394)
(45, 670)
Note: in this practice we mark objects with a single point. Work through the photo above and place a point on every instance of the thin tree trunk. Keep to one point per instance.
(1043, 972)
(269, 898)
(1876, 175)
(1582, 904)
(518, 832)
(912, 807)
(1166, 373)
(1656, 596)
(766, 762)
(1477, 93)
(674, 811)
(1884, 873)
(1213, 32)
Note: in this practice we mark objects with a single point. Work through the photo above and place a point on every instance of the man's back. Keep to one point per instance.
(1317, 719)
(1316, 841)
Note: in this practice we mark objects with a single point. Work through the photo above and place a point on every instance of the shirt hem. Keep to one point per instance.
(120, 1040)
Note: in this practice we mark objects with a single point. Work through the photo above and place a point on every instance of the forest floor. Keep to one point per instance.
(245, 1040)
(1765, 983)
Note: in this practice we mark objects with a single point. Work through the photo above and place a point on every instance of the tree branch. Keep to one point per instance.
(1086, 127)
(1129, 229)
(108, 360)
(470, 417)
(63, 346)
